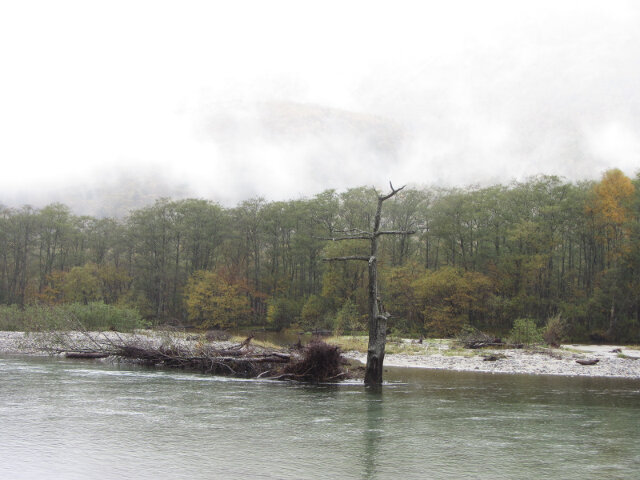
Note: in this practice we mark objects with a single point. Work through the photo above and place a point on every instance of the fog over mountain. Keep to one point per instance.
(232, 100)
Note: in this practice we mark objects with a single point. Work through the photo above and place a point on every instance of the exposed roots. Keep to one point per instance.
(320, 362)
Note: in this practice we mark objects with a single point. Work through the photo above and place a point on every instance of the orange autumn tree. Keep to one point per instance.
(52, 292)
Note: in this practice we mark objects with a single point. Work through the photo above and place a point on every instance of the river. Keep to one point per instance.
(66, 419)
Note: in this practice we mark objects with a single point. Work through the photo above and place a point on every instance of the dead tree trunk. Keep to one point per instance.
(377, 315)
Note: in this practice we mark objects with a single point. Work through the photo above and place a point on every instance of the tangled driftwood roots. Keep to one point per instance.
(317, 362)
(320, 362)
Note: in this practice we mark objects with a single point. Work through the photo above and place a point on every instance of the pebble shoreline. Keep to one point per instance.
(529, 362)
(533, 362)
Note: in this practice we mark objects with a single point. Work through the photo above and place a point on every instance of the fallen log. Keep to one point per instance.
(493, 358)
(477, 345)
(592, 361)
(86, 354)
(258, 359)
(244, 354)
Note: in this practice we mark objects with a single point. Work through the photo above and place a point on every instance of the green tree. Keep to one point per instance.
(82, 285)
(348, 319)
(282, 312)
(399, 297)
(313, 313)
(155, 252)
(451, 298)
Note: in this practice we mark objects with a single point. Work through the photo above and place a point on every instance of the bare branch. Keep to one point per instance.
(395, 232)
(349, 237)
(351, 231)
(389, 195)
(344, 259)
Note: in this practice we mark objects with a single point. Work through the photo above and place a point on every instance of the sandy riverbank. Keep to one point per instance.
(611, 363)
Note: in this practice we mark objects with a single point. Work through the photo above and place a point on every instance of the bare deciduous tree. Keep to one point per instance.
(377, 315)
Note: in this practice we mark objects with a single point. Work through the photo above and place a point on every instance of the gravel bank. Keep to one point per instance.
(536, 362)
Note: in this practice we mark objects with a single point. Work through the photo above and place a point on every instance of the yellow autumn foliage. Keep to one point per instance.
(611, 207)
(212, 301)
(611, 198)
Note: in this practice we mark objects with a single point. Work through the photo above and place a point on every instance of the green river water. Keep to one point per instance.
(66, 419)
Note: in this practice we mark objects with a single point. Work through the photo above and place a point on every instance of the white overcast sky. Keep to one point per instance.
(288, 98)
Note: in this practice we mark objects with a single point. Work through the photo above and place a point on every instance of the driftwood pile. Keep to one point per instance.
(476, 339)
(237, 362)
(317, 362)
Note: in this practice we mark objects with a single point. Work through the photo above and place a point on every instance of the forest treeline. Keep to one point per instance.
(480, 257)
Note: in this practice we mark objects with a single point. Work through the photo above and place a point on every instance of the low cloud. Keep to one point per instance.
(229, 106)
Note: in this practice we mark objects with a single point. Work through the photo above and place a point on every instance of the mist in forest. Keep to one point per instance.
(282, 100)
